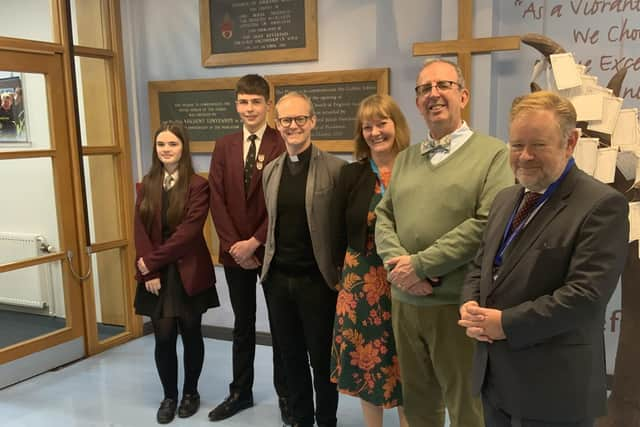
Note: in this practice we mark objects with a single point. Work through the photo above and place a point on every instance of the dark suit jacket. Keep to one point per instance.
(238, 216)
(186, 247)
(552, 288)
(350, 208)
(324, 169)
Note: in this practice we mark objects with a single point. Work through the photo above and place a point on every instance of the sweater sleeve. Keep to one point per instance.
(458, 246)
(387, 241)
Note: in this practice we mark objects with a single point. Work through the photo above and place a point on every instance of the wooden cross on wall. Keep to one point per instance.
(466, 45)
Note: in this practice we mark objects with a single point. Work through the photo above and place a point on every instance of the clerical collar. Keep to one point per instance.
(300, 157)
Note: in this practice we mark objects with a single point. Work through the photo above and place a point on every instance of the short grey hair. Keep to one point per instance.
(460, 80)
(294, 94)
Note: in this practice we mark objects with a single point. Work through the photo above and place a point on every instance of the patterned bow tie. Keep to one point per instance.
(433, 146)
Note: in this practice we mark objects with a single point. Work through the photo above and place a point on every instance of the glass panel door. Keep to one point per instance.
(41, 317)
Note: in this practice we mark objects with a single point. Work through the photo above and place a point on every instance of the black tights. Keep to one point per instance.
(166, 333)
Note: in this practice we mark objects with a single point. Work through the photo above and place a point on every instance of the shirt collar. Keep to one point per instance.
(458, 137)
(259, 133)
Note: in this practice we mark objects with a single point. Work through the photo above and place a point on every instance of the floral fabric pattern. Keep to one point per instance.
(363, 357)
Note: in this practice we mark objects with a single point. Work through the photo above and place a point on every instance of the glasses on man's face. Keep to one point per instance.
(441, 85)
(286, 122)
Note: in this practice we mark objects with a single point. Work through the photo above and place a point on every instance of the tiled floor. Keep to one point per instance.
(121, 388)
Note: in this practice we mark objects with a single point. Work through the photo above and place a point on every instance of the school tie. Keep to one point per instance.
(167, 183)
(528, 204)
(249, 163)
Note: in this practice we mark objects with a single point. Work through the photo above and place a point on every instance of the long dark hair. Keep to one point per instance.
(152, 181)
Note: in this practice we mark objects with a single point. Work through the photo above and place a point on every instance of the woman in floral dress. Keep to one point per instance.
(364, 362)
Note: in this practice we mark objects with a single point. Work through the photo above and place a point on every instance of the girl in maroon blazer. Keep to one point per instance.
(174, 270)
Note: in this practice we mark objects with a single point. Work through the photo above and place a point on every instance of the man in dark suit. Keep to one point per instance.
(239, 213)
(535, 296)
(299, 274)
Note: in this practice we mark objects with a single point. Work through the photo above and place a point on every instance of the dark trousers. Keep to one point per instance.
(496, 417)
(166, 333)
(242, 293)
(303, 310)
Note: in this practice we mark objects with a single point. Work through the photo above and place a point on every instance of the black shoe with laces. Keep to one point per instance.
(189, 405)
(167, 411)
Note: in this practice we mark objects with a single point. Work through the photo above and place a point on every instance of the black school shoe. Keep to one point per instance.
(231, 406)
(189, 405)
(167, 411)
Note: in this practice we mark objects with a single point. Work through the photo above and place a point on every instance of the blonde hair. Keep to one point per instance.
(561, 107)
(380, 107)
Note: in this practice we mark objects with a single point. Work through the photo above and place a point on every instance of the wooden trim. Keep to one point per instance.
(307, 53)
(107, 246)
(92, 52)
(379, 75)
(202, 147)
(337, 146)
(29, 46)
(482, 45)
(121, 115)
(210, 234)
(34, 345)
(26, 154)
(98, 150)
(30, 262)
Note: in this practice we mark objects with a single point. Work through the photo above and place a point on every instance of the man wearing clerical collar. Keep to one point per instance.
(299, 274)
(429, 226)
(535, 296)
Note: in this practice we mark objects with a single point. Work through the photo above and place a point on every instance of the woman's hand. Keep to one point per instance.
(153, 286)
(142, 266)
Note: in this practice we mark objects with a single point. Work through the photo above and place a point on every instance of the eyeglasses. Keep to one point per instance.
(286, 122)
(441, 85)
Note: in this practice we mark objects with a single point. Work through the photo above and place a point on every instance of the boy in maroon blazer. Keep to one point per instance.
(239, 213)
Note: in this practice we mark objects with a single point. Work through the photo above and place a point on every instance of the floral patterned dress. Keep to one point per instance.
(364, 363)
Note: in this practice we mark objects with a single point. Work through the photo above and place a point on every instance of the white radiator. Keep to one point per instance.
(26, 287)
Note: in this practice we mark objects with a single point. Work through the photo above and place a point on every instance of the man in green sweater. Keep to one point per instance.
(429, 227)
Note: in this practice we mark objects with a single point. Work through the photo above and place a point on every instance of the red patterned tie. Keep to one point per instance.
(528, 204)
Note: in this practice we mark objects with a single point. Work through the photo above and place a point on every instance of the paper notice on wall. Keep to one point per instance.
(626, 130)
(565, 72)
(634, 221)
(610, 111)
(586, 155)
(627, 163)
(588, 107)
(606, 165)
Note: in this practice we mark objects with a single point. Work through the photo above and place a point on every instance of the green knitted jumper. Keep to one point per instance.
(437, 213)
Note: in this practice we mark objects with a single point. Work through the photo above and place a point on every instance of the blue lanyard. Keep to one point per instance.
(376, 171)
(507, 238)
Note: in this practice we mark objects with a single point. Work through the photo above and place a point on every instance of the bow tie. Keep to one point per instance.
(433, 146)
